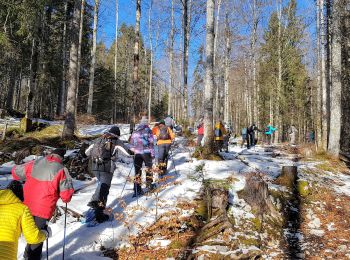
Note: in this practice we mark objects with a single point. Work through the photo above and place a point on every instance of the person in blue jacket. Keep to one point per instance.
(269, 132)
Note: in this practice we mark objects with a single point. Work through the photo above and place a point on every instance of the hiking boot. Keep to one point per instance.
(138, 194)
(93, 204)
(100, 216)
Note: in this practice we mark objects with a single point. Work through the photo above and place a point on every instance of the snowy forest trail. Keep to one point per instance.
(308, 219)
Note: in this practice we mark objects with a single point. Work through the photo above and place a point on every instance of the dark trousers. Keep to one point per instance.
(104, 183)
(199, 140)
(163, 152)
(251, 139)
(33, 252)
(138, 161)
(219, 144)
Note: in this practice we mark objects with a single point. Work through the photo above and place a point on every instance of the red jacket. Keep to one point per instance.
(201, 129)
(46, 180)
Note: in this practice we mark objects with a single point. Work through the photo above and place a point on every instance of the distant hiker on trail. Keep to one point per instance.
(310, 136)
(200, 129)
(103, 153)
(251, 135)
(169, 122)
(165, 137)
(46, 180)
(292, 131)
(15, 218)
(142, 144)
(269, 132)
(219, 132)
(244, 136)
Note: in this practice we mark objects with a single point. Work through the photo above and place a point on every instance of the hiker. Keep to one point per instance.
(269, 132)
(244, 136)
(15, 218)
(251, 135)
(154, 132)
(310, 136)
(169, 122)
(292, 131)
(200, 129)
(219, 132)
(142, 144)
(103, 154)
(46, 180)
(165, 137)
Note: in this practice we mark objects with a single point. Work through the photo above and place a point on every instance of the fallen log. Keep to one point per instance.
(288, 177)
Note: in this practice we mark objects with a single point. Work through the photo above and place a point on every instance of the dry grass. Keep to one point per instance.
(336, 210)
(85, 119)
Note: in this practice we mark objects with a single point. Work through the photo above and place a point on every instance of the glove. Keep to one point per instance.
(47, 231)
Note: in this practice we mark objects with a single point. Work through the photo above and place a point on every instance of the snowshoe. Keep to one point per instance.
(89, 216)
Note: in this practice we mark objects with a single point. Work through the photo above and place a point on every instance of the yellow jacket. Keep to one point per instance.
(222, 130)
(15, 218)
(168, 141)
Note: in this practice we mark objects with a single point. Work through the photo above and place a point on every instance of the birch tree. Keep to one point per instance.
(115, 61)
(171, 58)
(209, 75)
(93, 59)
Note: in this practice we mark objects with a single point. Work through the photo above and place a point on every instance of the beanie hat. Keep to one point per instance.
(144, 120)
(114, 131)
(16, 188)
(59, 151)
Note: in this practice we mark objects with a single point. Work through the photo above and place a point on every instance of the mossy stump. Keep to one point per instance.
(26, 125)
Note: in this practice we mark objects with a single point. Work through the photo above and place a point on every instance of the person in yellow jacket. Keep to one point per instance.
(165, 137)
(219, 133)
(15, 218)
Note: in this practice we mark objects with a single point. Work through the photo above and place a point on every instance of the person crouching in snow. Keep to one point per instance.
(165, 137)
(142, 144)
(15, 218)
(103, 153)
(46, 180)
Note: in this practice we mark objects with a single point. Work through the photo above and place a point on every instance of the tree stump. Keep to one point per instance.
(217, 202)
(288, 176)
(256, 194)
(21, 154)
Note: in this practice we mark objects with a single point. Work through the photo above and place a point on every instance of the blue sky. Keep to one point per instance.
(106, 30)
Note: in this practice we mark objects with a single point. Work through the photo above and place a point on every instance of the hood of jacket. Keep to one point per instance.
(8, 197)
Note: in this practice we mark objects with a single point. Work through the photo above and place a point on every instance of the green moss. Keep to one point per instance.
(325, 167)
(48, 132)
(248, 241)
(202, 209)
(257, 224)
(176, 244)
(303, 188)
(14, 132)
(206, 153)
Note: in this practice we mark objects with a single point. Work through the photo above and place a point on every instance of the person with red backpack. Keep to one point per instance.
(103, 153)
(165, 137)
(46, 180)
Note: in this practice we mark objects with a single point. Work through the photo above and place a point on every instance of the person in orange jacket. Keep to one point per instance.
(165, 137)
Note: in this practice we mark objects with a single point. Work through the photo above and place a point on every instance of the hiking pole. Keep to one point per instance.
(47, 248)
(132, 166)
(64, 232)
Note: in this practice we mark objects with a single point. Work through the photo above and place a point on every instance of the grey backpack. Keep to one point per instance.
(101, 151)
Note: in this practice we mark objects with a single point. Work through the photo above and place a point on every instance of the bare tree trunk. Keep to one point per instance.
(319, 76)
(279, 80)
(151, 68)
(209, 75)
(136, 59)
(19, 91)
(253, 44)
(216, 107)
(172, 40)
(11, 88)
(187, 6)
(79, 50)
(227, 67)
(115, 62)
(336, 88)
(62, 92)
(33, 68)
(93, 60)
(69, 124)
